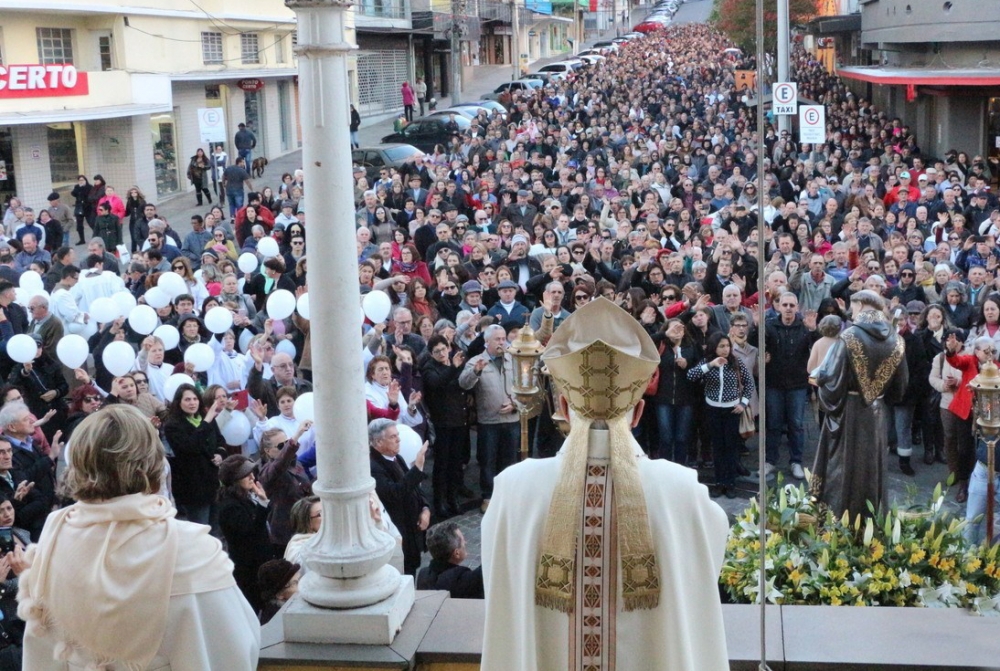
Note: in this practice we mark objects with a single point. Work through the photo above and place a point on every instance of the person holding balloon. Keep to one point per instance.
(271, 279)
(194, 437)
(150, 361)
(41, 379)
(125, 389)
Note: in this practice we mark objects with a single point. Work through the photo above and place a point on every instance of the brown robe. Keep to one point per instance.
(863, 371)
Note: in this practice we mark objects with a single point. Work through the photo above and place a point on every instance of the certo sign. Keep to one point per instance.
(251, 84)
(42, 81)
(785, 98)
(812, 124)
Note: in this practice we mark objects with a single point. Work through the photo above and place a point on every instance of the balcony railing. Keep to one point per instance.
(383, 9)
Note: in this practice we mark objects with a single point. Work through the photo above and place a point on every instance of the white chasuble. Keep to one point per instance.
(683, 633)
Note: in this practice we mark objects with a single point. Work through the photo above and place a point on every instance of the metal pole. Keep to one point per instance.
(515, 40)
(761, 345)
(348, 562)
(456, 52)
(991, 474)
(784, 121)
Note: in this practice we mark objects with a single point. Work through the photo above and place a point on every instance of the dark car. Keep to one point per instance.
(426, 132)
(372, 159)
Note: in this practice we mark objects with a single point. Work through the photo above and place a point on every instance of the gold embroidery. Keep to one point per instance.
(872, 387)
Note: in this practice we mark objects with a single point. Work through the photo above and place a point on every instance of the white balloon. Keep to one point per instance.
(157, 298)
(245, 339)
(169, 335)
(303, 408)
(143, 319)
(118, 357)
(199, 276)
(200, 355)
(247, 262)
(104, 310)
(173, 284)
(302, 305)
(377, 306)
(31, 281)
(125, 301)
(218, 320)
(22, 348)
(21, 296)
(267, 247)
(171, 385)
(237, 429)
(280, 304)
(409, 443)
(72, 350)
(286, 347)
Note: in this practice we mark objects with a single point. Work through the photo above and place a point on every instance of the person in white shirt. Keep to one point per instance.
(95, 283)
(63, 303)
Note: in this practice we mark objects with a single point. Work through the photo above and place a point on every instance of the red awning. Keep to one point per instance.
(924, 77)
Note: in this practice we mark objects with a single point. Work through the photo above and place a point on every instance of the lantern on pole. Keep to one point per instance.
(986, 385)
(526, 352)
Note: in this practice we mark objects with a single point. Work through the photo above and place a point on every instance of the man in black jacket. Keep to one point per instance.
(398, 487)
(789, 339)
(446, 544)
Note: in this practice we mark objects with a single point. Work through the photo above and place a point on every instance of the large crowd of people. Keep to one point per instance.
(634, 180)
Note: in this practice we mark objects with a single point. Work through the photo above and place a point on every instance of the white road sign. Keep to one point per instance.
(211, 124)
(812, 124)
(785, 98)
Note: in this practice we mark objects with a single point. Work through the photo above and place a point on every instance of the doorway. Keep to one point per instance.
(253, 113)
(8, 186)
(993, 134)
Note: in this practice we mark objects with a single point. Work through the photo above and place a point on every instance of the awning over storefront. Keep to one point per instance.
(84, 114)
(924, 76)
(220, 75)
(832, 25)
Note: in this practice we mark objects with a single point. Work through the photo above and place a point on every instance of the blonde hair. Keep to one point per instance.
(115, 452)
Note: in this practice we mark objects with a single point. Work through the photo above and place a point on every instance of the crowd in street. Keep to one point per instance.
(633, 180)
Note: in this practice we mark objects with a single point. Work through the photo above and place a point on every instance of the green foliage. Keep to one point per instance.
(738, 20)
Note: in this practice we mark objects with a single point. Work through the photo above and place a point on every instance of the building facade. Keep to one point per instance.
(131, 93)
(934, 64)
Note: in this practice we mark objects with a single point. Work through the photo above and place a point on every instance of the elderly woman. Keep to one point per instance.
(221, 245)
(243, 514)
(125, 389)
(284, 480)
(120, 552)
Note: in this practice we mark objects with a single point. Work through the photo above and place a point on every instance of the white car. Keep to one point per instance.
(591, 59)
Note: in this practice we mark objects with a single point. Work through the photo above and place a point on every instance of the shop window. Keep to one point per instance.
(55, 46)
(211, 48)
(249, 53)
(64, 158)
(164, 154)
(104, 49)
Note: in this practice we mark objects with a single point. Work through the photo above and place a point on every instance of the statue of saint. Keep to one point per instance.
(600, 558)
(862, 371)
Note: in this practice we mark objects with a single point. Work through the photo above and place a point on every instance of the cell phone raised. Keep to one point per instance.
(6, 540)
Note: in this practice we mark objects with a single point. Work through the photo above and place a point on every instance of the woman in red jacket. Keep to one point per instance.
(961, 405)
(409, 264)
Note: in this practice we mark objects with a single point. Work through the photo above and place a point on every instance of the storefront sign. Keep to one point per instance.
(42, 81)
(251, 84)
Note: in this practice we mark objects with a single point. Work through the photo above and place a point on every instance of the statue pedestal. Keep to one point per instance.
(376, 624)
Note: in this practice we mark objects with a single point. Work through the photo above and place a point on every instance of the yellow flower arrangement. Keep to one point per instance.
(898, 558)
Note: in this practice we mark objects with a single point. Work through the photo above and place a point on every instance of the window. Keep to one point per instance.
(279, 48)
(211, 48)
(55, 46)
(104, 49)
(249, 53)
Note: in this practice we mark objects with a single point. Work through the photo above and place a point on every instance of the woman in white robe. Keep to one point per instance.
(118, 561)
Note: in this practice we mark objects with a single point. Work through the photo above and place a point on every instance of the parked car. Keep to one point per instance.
(591, 59)
(606, 45)
(562, 67)
(490, 105)
(516, 85)
(373, 159)
(546, 77)
(426, 132)
(468, 111)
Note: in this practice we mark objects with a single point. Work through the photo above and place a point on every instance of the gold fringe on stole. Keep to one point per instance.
(555, 577)
(640, 573)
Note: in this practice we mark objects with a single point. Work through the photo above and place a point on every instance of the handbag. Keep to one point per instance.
(747, 425)
(654, 382)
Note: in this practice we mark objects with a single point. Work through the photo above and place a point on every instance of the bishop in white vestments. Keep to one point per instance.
(600, 559)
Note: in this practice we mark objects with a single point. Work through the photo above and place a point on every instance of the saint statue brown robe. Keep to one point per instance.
(863, 371)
